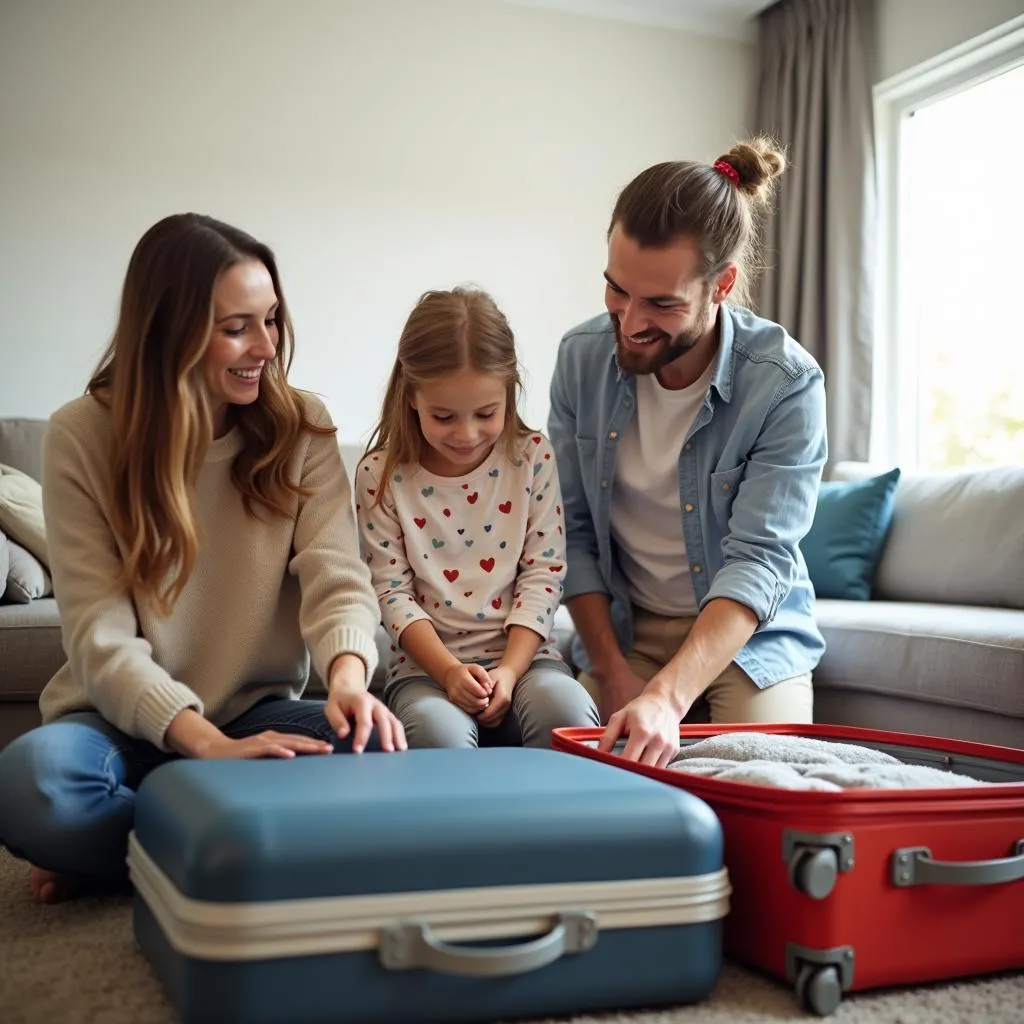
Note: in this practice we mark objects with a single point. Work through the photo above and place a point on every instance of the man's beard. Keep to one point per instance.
(664, 348)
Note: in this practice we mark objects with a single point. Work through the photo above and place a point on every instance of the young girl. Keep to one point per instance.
(202, 542)
(461, 520)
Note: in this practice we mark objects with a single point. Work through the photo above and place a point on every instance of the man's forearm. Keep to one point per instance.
(592, 618)
(717, 636)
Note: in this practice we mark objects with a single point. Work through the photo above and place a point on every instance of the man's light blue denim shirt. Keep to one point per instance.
(749, 472)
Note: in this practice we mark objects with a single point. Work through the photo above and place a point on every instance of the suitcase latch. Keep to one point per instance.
(816, 860)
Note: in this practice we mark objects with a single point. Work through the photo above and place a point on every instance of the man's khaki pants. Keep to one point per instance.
(732, 697)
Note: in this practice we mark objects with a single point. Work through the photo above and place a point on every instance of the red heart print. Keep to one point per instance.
(558, 510)
(519, 604)
(393, 561)
(496, 603)
(467, 593)
(529, 561)
(448, 513)
(451, 575)
(471, 498)
(535, 439)
(465, 487)
(554, 568)
(549, 590)
(370, 491)
(547, 455)
(506, 507)
(487, 564)
(420, 522)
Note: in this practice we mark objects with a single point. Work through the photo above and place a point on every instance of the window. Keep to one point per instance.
(949, 378)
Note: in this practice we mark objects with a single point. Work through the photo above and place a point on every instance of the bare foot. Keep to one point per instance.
(49, 887)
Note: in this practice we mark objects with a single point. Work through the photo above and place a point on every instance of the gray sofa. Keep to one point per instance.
(938, 650)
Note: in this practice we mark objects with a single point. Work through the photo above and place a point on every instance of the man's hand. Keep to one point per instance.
(350, 704)
(651, 723)
(616, 688)
(504, 680)
(468, 687)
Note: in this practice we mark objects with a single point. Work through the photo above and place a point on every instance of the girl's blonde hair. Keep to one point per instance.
(151, 379)
(447, 332)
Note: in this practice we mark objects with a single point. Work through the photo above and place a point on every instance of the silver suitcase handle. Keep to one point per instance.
(913, 865)
(411, 944)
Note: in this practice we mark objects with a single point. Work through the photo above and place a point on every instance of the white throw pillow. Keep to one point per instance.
(21, 512)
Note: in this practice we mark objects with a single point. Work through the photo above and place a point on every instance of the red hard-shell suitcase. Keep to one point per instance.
(859, 889)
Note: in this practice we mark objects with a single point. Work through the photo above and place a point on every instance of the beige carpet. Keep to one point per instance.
(77, 963)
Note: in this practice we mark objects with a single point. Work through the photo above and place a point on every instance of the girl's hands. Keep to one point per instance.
(504, 680)
(468, 687)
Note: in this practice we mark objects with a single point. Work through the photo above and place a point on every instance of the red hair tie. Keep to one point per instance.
(728, 170)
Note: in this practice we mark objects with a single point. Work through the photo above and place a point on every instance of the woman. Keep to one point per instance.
(202, 540)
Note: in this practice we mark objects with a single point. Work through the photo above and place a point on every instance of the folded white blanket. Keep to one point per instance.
(799, 762)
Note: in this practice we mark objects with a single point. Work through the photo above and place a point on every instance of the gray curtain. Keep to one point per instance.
(814, 96)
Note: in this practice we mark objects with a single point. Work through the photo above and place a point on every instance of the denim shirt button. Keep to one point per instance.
(612, 435)
(695, 568)
(689, 507)
(688, 446)
(604, 483)
(725, 487)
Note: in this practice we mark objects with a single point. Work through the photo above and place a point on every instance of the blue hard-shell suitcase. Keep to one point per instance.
(432, 885)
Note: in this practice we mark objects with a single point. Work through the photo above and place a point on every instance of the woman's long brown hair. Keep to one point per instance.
(446, 332)
(151, 379)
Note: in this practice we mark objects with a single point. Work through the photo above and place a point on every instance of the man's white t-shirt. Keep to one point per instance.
(646, 518)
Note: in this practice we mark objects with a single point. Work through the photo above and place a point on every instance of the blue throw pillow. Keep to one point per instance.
(846, 538)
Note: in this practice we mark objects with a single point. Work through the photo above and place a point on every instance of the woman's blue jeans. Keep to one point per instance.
(67, 790)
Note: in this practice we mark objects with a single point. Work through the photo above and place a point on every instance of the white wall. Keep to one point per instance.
(911, 31)
(381, 149)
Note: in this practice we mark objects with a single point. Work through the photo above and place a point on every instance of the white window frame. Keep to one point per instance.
(894, 413)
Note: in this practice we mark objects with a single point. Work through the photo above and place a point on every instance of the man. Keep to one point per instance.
(690, 439)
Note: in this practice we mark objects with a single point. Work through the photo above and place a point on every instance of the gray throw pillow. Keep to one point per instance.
(27, 580)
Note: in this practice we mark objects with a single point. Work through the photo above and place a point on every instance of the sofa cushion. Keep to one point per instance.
(956, 537)
(946, 654)
(30, 648)
(21, 445)
(5, 563)
(846, 538)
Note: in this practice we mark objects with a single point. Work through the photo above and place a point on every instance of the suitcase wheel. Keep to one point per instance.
(819, 989)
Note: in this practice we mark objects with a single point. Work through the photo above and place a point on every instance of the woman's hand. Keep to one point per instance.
(265, 744)
(350, 704)
(192, 735)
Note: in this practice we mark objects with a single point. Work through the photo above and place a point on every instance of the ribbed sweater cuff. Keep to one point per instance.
(158, 705)
(346, 640)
